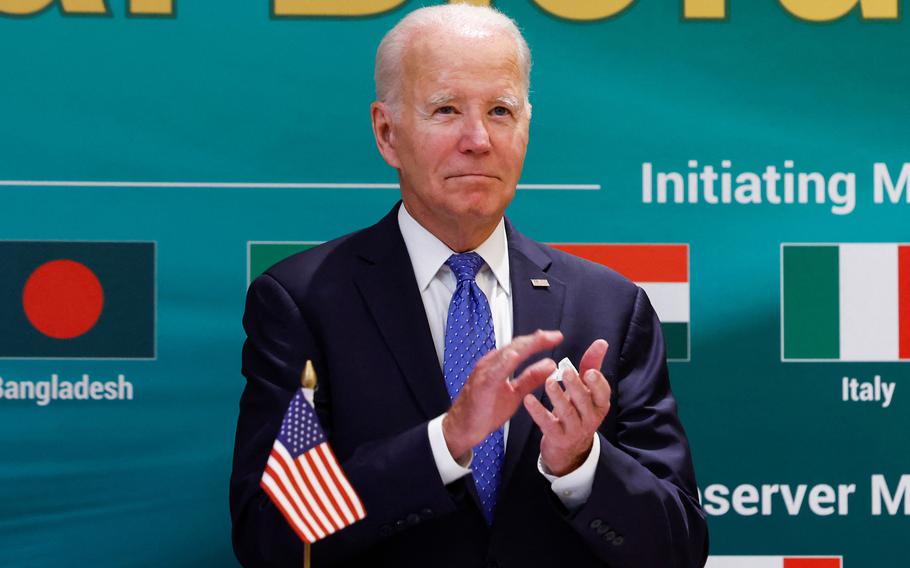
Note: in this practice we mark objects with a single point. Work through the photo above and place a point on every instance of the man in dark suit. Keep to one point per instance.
(415, 326)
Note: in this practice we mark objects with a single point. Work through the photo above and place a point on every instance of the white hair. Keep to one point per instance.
(463, 19)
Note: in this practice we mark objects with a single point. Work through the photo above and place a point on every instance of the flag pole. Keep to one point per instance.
(308, 381)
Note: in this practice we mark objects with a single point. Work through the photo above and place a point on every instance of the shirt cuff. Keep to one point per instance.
(449, 469)
(574, 488)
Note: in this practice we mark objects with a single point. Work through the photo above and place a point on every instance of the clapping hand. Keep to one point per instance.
(568, 430)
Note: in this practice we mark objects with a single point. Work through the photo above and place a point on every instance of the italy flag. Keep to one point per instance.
(845, 302)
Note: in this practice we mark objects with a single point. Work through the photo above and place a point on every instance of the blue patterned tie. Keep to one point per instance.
(469, 335)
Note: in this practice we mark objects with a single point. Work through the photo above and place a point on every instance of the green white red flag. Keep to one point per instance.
(845, 302)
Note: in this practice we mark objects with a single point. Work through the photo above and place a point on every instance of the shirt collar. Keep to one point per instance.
(428, 254)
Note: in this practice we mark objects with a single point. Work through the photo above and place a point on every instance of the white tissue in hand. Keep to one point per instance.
(564, 365)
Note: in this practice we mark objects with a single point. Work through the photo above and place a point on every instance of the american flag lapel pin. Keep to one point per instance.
(540, 283)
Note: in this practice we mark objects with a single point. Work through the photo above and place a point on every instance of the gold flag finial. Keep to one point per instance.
(308, 378)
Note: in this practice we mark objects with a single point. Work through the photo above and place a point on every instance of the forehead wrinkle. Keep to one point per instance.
(435, 45)
(428, 57)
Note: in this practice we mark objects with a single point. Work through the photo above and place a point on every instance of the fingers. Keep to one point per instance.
(532, 377)
(592, 378)
(563, 409)
(580, 397)
(522, 347)
(600, 390)
(593, 357)
(544, 419)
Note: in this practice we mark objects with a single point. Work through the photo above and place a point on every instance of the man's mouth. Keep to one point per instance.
(472, 174)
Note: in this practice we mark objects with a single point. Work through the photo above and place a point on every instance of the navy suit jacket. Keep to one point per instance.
(353, 307)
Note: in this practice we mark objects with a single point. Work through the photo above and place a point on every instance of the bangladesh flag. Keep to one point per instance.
(662, 271)
(77, 300)
(774, 562)
(261, 255)
(845, 302)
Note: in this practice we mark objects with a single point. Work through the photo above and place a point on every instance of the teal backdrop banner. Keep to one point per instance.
(156, 154)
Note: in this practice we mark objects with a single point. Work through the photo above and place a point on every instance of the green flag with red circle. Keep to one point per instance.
(80, 300)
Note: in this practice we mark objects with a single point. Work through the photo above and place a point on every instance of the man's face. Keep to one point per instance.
(462, 130)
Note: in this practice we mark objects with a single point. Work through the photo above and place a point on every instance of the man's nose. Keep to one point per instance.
(475, 137)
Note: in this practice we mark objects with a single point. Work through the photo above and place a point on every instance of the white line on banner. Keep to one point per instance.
(243, 185)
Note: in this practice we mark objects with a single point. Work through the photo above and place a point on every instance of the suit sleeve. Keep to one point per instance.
(643, 509)
(278, 343)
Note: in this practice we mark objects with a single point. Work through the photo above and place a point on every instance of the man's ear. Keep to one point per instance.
(384, 132)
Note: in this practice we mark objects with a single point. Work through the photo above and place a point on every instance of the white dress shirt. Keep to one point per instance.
(437, 285)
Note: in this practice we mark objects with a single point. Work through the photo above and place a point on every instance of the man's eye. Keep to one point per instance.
(445, 110)
(501, 111)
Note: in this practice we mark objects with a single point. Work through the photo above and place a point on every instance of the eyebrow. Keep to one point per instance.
(440, 99)
(509, 101)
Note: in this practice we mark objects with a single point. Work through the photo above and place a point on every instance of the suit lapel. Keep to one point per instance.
(532, 308)
(390, 291)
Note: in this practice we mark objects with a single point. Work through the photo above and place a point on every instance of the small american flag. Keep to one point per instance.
(304, 480)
